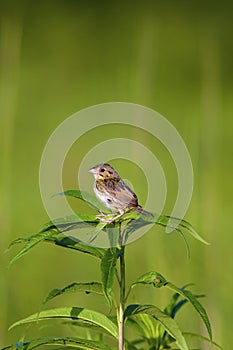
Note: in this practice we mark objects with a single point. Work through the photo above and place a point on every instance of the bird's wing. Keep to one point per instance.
(125, 195)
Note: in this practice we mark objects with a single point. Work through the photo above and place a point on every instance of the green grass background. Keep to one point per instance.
(57, 57)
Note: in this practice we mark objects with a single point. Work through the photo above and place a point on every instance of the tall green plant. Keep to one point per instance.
(155, 328)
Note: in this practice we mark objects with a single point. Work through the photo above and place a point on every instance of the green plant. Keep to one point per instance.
(156, 328)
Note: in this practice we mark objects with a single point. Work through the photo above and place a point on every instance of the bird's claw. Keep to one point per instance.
(107, 221)
(103, 217)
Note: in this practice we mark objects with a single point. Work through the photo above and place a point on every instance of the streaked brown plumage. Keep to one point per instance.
(113, 191)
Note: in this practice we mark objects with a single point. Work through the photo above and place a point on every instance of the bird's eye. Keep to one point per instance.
(102, 170)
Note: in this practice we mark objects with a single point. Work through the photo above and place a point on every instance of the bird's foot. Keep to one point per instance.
(108, 220)
(101, 215)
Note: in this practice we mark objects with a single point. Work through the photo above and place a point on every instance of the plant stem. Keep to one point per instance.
(122, 299)
(122, 294)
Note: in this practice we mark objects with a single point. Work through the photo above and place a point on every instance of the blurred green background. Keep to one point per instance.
(57, 57)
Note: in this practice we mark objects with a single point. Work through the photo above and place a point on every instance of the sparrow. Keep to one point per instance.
(113, 192)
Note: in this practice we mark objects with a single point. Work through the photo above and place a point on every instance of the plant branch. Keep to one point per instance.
(122, 293)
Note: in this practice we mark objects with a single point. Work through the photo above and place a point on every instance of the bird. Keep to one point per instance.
(113, 192)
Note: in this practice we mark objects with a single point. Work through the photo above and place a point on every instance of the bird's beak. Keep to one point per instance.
(92, 170)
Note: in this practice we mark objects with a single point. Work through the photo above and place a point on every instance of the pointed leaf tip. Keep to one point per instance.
(195, 303)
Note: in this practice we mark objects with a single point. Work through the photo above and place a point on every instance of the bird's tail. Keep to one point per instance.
(142, 211)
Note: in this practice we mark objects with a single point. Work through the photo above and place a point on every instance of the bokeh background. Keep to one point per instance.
(57, 57)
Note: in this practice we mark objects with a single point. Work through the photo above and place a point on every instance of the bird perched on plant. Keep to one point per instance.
(110, 189)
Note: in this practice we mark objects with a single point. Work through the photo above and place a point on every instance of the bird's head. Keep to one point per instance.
(103, 171)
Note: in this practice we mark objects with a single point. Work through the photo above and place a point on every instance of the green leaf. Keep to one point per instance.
(169, 309)
(186, 225)
(164, 220)
(133, 345)
(69, 242)
(88, 287)
(139, 220)
(165, 320)
(77, 343)
(135, 221)
(86, 197)
(99, 227)
(73, 313)
(189, 335)
(57, 238)
(144, 324)
(177, 307)
(196, 304)
(70, 222)
(85, 324)
(153, 278)
(108, 270)
(174, 224)
(30, 243)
